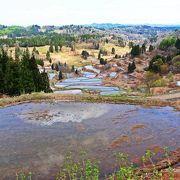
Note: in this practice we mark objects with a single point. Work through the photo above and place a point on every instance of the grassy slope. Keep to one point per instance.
(74, 58)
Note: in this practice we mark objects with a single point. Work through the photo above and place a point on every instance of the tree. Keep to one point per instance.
(176, 64)
(143, 48)
(166, 43)
(85, 54)
(48, 56)
(131, 44)
(17, 53)
(21, 75)
(136, 50)
(99, 55)
(76, 71)
(26, 74)
(151, 48)
(56, 48)
(73, 68)
(131, 67)
(103, 61)
(97, 46)
(155, 64)
(60, 75)
(45, 83)
(150, 78)
(12, 78)
(177, 44)
(51, 48)
(113, 50)
(37, 79)
(3, 66)
(60, 47)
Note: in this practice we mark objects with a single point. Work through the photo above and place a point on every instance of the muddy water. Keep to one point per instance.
(36, 136)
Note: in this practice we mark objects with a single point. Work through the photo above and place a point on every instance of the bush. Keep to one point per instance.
(160, 83)
(156, 63)
(176, 61)
(150, 78)
(166, 43)
(170, 76)
(85, 54)
(176, 64)
(103, 62)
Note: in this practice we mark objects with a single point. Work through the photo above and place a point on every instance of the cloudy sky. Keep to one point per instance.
(60, 12)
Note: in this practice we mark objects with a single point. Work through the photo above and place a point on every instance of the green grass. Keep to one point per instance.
(86, 169)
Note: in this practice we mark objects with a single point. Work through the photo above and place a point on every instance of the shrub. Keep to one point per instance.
(102, 61)
(170, 76)
(156, 63)
(159, 83)
(166, 43)
(150, 78)
(85, 54)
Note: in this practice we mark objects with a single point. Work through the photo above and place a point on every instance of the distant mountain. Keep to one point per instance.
(111, 25)
(106, 25)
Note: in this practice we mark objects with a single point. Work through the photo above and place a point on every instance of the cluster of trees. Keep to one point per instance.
(21, 76)
(37, 41)
(162, 65)
(19, 31)
(137, 50)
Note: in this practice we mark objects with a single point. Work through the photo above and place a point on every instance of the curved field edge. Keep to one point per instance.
(123, 99)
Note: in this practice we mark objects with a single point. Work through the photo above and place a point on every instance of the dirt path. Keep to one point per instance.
(167, 96)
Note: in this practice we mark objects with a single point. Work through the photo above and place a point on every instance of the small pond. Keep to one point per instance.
(37, 136)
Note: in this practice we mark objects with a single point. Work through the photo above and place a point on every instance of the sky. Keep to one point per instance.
(63, 12)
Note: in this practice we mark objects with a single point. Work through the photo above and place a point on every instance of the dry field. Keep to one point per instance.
(74, 57)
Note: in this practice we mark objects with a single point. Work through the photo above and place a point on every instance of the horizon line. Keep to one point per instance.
(103, 23)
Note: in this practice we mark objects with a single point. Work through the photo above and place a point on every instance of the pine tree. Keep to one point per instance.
(48, 56)
(3, 66)
(143, 48)
(51, 48)
(151, 48)
(45, 82)
(99, 55)
(177, 44)
(35, 74)
(113, 51)
(60, 75)
(131, 67)
(56, 48)
(13, 78)
(136, 50)
(26, 74)
(17, 53)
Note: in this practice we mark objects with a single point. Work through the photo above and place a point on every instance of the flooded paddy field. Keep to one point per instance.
(37, 136)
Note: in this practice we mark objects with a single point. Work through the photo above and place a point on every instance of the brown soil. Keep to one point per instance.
(119, 141)
(138, 126)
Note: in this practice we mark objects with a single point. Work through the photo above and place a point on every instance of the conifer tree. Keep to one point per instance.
(51, 48)
(26, 74)
(35, 74)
